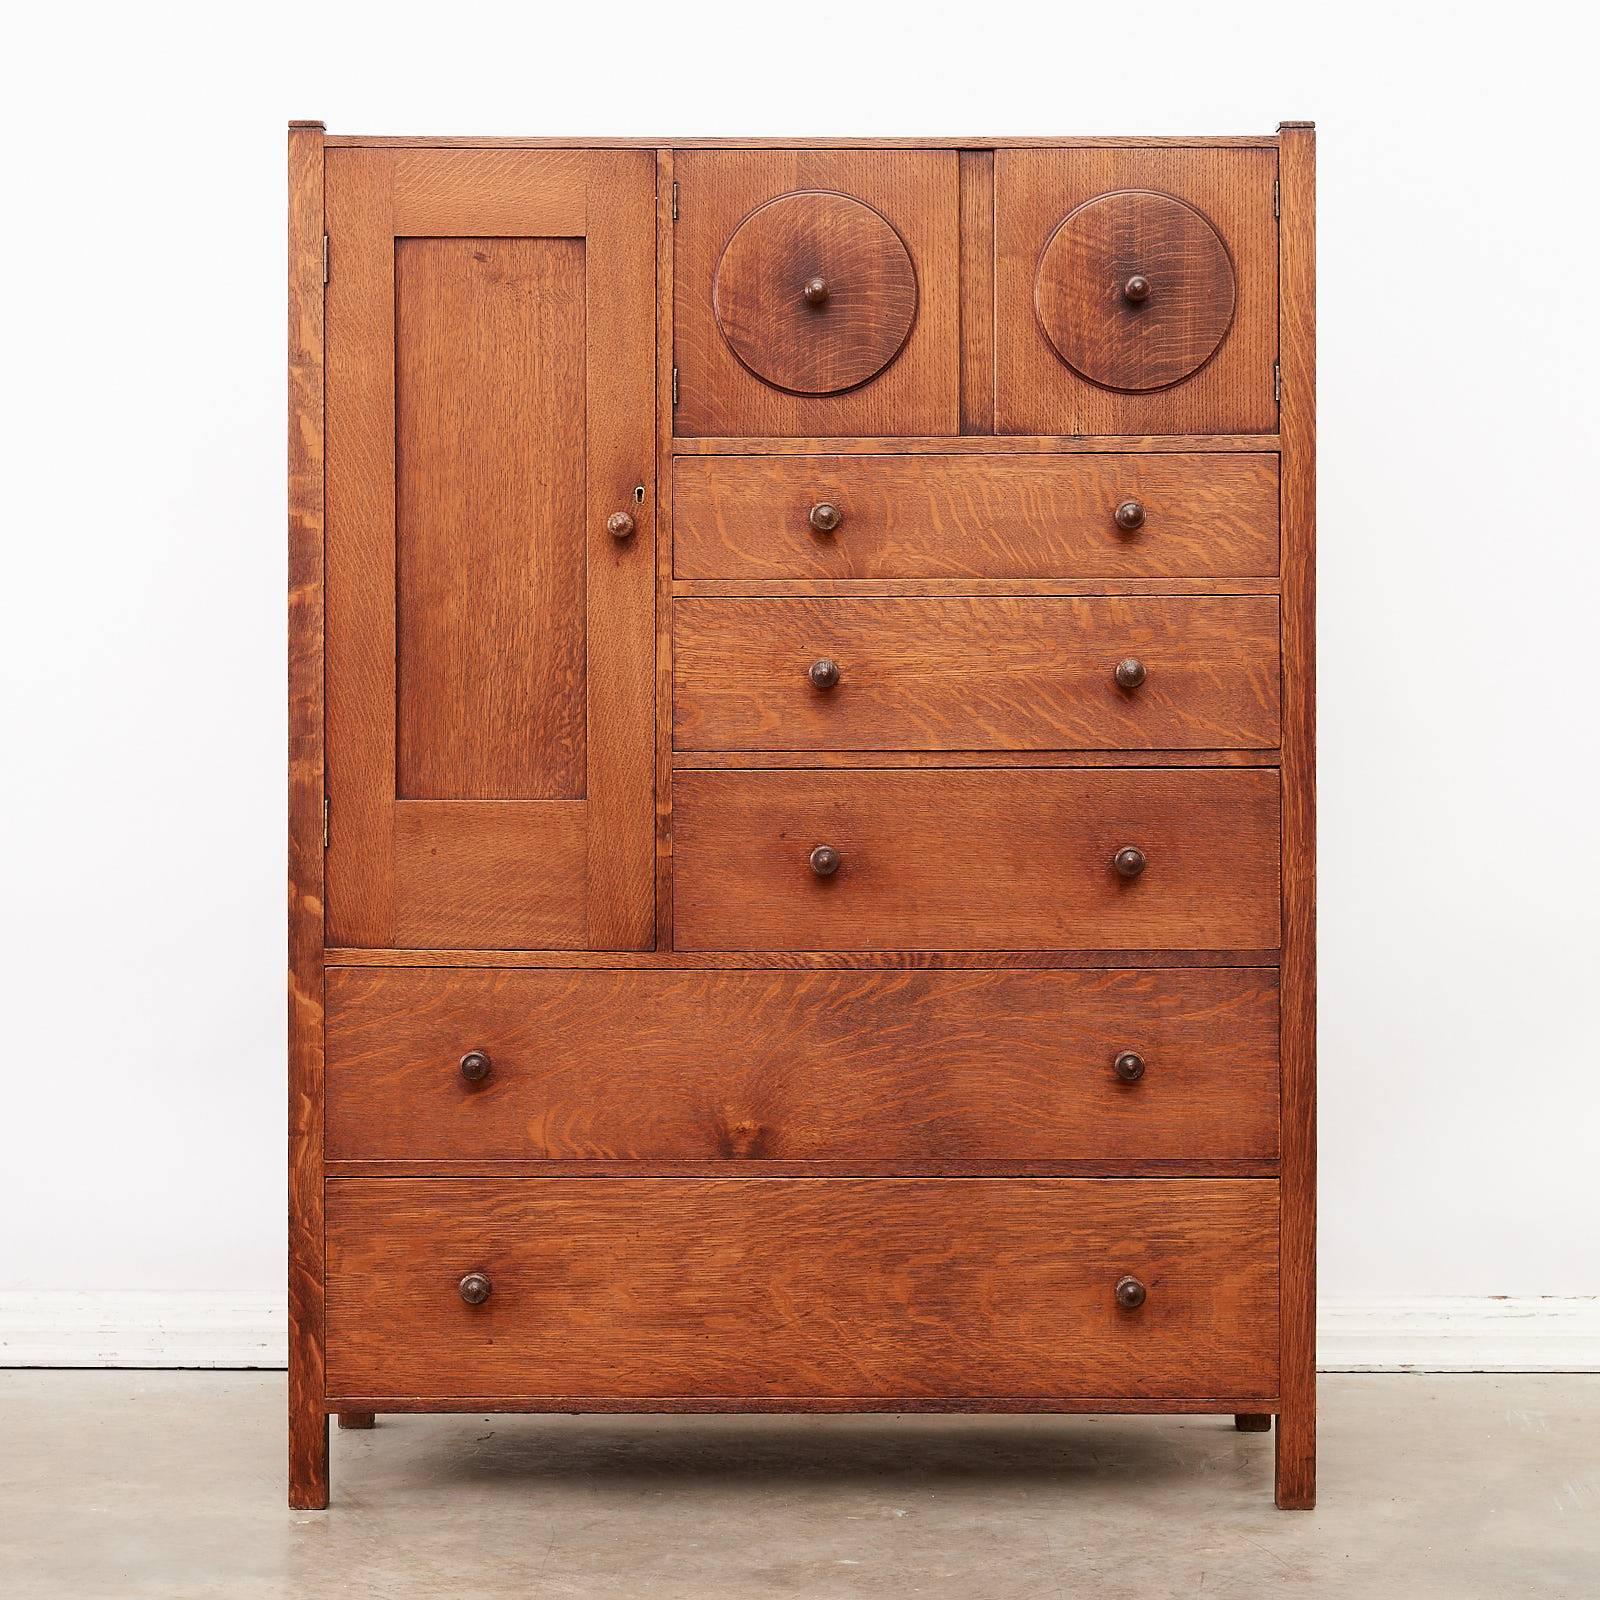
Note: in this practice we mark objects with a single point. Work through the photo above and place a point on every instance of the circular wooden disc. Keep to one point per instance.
(1125, 344)
(758, 294)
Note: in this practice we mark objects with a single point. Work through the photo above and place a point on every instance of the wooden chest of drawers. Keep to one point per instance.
(801, 779)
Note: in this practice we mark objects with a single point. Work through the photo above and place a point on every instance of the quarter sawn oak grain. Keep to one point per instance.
(964, 516)
(995, 673)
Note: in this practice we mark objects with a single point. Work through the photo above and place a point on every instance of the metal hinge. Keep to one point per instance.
(324, 260)
(674, 201)
(325, 833)
(674, 388)
(1274, 198)
(1277, 384)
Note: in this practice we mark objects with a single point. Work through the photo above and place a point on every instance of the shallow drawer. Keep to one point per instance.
(992, 673)
(935, 859)
(802, 1286)
(801, 1066)
(975, 516)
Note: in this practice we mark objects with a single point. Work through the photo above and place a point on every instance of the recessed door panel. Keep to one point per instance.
(490, 583)
(489, 519)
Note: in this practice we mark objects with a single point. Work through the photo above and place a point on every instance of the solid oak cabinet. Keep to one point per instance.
(801, 779)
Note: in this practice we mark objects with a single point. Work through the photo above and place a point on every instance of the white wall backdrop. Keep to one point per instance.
(143, 1111)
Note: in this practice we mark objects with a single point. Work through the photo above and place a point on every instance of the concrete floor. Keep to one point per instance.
(123, 1485)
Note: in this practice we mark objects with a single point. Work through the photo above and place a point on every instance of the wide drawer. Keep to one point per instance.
(654, 1287)
(993, 673)
(939, 859)
(887, 1067)
(976, 516)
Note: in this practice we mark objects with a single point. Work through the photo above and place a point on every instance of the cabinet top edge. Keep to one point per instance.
(424, 141)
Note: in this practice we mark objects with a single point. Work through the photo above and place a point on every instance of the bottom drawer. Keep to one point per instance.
(915, 1287)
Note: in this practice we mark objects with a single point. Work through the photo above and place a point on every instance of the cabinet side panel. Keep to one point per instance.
(1296, 1443)
(308, 1424)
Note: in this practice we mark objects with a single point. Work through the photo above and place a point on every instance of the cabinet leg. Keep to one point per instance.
(1253, 1421)
(1296, 1458)
(308, 1458)
(357, 1419)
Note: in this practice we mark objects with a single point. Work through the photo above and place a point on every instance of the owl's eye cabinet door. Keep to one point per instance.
(1136, 290)
(816, 292)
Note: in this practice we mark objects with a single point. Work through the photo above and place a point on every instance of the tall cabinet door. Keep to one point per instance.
(490, 555)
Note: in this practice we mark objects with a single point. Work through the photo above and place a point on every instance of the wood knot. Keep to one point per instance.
(743, 1139)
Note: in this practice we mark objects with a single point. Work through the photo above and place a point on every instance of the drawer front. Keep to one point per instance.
(802, 1066)
(975, 516)
(816, 292)
(992, 673)
(811, 1286)
(1021, 859)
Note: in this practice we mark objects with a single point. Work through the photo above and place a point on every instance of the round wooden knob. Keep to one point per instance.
(1136, 290)
(620, 525)
(1130, 673)
(824, 674)
(475, 1288)
(825, 860)
(1130, 516)
(816, 291)
(825, 517)
(1129, 1066)
(1130, 1293)
(1129, 861)
(475, 1066)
